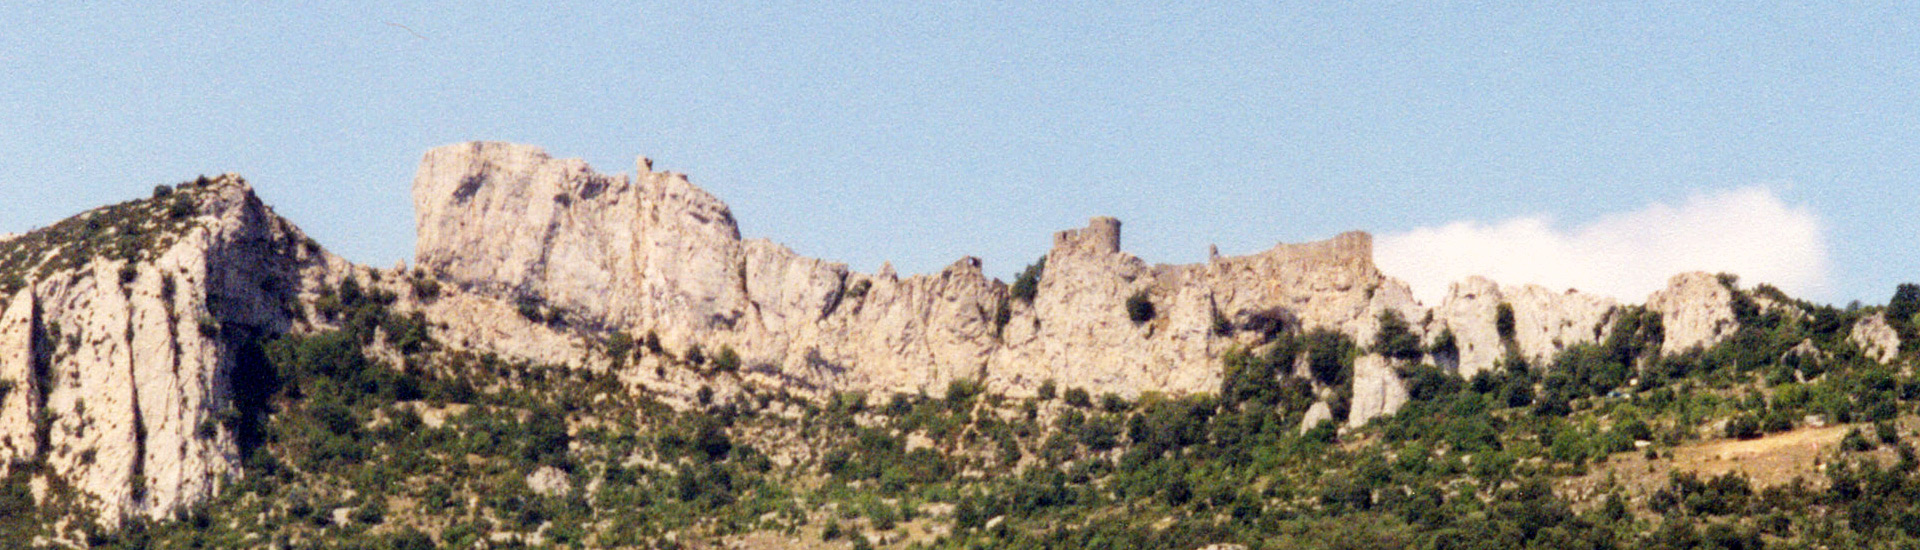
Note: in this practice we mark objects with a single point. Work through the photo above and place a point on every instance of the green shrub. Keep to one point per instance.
(1503, 322)
(1221, 326)
(1140, 307)
(619, 347)
(1395, 340)
(1078, 397)
(1027, 285)
(1329, 356)
(425, 289)
(727, 361)
(1743, 426)
(374, 512)
(1446, 345)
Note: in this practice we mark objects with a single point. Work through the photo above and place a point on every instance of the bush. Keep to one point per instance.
(1329, 356)
(374, 512)
(1395, 340)
(1027, 285)
(1445, 345)
(1901, 311)
(619, 347)
(1503, 322)
(1140, 307)
(1743, 427)
(180, 208)
(859, 289)
(425, 289)
(727, 360)
(1078, 397)
(546, 437)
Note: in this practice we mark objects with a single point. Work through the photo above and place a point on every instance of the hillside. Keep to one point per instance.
(586, 360)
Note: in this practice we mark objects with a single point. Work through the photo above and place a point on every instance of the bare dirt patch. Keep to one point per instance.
(1768, 461)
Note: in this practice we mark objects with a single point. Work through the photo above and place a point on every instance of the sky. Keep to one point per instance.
(1600, 147)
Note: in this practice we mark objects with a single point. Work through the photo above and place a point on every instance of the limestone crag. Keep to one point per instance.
(1377, 390)
(119, 363)
(1696, 310)
(1875, 337)
(656, 254)
(1544, 321)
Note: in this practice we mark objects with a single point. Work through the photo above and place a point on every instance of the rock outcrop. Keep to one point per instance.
(1696, 310)
(121, 329)
(1544, 321)
(656, 254)
(119, 349)
(1877, 338)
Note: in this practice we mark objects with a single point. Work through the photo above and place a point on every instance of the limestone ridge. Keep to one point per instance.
(656, 254)
(117, 344)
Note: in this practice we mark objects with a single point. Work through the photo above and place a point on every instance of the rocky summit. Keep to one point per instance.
(122, 336)
(131, 382)
(655, 254)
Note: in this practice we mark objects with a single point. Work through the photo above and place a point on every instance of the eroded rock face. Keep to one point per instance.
(1544, 321)
(657, 254)
(1876, 338)
(119, 362)
(1377, 390)
(1696, 310)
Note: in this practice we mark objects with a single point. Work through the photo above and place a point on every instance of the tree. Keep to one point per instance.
(1027, 285)
(1902, 309)
(1394, 339)
(547, 439)
(1329, 356)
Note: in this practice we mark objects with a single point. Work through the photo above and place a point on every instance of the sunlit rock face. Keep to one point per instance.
(119, 349)
(655, 253)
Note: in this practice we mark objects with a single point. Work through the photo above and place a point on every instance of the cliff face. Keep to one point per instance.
(121, 329)
(118, 343)
(656, 254)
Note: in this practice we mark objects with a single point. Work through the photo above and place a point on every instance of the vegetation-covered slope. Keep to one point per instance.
(375, 437)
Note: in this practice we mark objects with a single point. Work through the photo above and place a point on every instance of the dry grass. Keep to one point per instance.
(1768, 461)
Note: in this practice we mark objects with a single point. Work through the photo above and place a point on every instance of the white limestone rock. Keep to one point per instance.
(131, 360)
(1318, 412)
(507, 222)
(1544, 321)
(549, 481)
(1377, 390)
(1876, 338)
(1695, 309)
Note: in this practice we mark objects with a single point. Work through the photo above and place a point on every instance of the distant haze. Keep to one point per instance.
(1749, 232)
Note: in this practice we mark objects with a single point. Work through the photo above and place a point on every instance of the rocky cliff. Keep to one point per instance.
(655, 254)
(122, 330)
(118, 342)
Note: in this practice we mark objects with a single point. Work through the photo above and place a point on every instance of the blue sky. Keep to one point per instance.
(867, 132)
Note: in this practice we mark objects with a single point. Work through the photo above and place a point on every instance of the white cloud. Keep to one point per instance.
(1626, 255)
